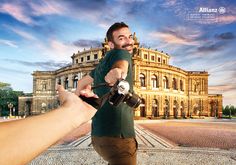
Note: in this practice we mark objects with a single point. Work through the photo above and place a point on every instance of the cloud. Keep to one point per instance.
(26, 12)
(211, 47)
(17, 11)
(21, 33)
(98, 12)
(58, 49)
(3, 69)
(8, 43)
(88, 5)
(45, 65)
(179, 36)
(225, 66)
(227, 19)
(225, 36)
(222, 88)
(169, 3)
(45, 7)
(214, 45)
(131, 1)
(87, 43)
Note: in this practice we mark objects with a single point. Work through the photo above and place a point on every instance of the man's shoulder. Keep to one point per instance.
(118, 54)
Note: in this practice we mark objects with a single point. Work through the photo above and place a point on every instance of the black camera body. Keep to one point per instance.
(119, 93)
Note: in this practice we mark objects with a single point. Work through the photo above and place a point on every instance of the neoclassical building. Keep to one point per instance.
(167, 91)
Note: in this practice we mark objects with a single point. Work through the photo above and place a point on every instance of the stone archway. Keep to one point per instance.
(155, 108)
(213, 108)
(166, 109)
(142, 109)
(27, 110)
(175, 109)
(182, 110)
(75, 81)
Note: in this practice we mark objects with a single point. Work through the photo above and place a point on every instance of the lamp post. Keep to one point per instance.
(10, 106)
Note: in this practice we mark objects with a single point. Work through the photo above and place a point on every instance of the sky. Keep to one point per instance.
(42, 35)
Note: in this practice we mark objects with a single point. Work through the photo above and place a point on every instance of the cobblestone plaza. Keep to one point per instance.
(159, 147)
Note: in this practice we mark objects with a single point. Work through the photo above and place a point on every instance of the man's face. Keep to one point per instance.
(123, 39)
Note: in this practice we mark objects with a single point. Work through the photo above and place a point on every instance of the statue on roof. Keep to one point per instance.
(135, 38)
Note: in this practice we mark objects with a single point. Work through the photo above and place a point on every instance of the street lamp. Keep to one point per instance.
(10, 106)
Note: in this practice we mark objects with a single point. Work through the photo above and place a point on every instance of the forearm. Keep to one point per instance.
(29, 137)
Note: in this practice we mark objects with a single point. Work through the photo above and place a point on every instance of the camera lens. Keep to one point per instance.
(133, 100)
(116, 99)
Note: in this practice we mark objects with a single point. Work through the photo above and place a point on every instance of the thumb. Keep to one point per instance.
(88, 87)
(123, 75)
(61, 90)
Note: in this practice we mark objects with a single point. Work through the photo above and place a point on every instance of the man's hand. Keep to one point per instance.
(113, 75)
(87, 92)
(84, 87)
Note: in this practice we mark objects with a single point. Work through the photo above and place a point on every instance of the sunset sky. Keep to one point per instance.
(43, 34)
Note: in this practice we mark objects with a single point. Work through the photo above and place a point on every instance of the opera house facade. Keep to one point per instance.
(166, 91)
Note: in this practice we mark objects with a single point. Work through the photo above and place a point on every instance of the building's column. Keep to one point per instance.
(137, 72)
(160, 81)
(220, 114)
(80, 75)
(149, 106)
(148, 79)
(63, 81)
(171, 107)
(70, 83)
(160, 105)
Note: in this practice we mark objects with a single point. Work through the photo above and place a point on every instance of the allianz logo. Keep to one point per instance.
(221, 10)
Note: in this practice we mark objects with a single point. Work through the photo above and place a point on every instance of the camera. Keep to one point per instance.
(119, 93)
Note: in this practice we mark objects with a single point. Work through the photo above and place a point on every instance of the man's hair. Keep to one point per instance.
(114, 27)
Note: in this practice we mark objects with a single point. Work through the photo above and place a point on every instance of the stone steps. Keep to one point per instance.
(144, 138)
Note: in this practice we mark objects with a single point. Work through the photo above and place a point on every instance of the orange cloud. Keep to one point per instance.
(228, 19)
(221, 88)
(172, 38)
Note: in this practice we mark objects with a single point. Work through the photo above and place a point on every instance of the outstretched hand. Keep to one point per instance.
(71, 102)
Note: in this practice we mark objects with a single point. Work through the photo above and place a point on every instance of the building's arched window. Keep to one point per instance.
(195, 87)
(166, 109)
(154, 81)
(59, 81)
(174, 84)
(155, 111)
(66, 83)
(175, 108)
(182, 111)
(75, 80)
(181, 85)
(44, 86)
(165, 82)
(142, 80)
(142, 109)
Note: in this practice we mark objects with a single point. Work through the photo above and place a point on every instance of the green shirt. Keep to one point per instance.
(109, 120)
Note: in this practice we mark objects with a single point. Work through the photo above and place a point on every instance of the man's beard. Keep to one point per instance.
(124, 46)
